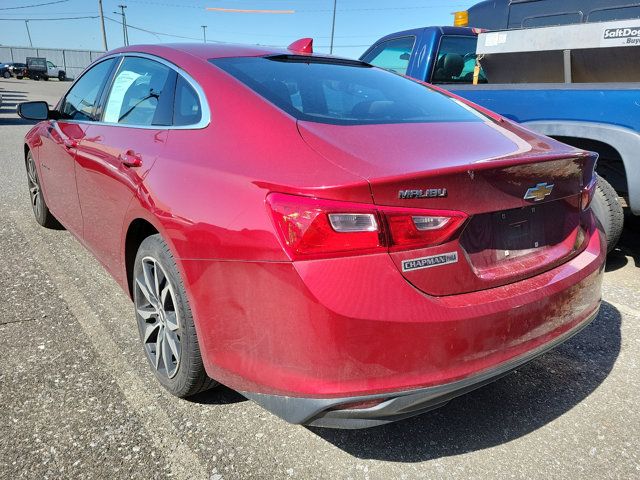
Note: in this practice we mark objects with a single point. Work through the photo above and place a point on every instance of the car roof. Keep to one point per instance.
(206, 51)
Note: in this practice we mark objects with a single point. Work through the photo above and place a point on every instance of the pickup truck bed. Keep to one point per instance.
(602, 117)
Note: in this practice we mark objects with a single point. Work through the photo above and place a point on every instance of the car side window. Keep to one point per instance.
(456, 61)
(392, 55)
(187, 109)
(80, 102)
(141, 93)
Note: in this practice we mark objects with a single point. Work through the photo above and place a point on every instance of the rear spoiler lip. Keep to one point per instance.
(503, 162)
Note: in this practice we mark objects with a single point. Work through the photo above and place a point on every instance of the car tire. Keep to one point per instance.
(6, 75)
(38, 204)
(45, 78)
(19, 77)
(165, 321)
(608, 211)
(62, 76)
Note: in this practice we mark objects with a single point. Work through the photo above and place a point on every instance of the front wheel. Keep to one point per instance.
(6, 75)
(38, 204)
(608, 211)
(165, 321)
(62, 76)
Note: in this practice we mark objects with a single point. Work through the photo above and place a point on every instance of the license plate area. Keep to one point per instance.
(496, 238)
(521, 232)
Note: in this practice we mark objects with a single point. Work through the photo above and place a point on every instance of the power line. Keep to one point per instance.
(34, 5)
(44, 19)
(246, 10)
(151, 31)
(363, 9)
(215, 41)
(47, 13)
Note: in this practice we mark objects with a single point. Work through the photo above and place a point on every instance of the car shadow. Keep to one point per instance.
(628, 246)
(527, 399)
(220, 395)
(10, 100)
(15, 121)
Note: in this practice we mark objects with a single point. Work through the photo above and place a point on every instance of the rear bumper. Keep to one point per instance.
(328, 413)
(304, 339)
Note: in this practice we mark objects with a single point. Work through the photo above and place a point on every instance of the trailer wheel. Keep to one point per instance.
(608, 210)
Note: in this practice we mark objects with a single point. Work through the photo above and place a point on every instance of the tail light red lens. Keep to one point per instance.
(588, 193)
(414, 228)
(312, 228)
(315, 228)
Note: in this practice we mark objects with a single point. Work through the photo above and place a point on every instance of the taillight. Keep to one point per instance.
(315, 228)
(588, 193)
(411, 228)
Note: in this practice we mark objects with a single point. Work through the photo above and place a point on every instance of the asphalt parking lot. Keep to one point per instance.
(78, 401)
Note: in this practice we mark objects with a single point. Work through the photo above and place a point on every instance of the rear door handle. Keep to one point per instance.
(130, 159)
(70, 143)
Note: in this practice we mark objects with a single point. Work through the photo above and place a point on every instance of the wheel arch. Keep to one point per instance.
(622, 141)
(138, 230)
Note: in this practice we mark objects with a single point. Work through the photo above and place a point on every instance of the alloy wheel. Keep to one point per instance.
(34, 187)
(158, 317)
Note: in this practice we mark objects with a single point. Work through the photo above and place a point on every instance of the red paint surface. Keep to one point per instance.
(331, 326)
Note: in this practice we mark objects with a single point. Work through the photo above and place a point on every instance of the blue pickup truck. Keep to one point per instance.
(580, 87)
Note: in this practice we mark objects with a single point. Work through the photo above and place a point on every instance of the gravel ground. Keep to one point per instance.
(78, 400)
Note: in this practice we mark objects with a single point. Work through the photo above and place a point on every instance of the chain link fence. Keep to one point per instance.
(71, 61)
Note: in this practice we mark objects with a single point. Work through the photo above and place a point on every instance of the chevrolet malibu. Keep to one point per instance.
(343, 245)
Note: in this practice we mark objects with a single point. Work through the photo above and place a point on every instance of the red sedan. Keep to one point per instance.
(343, 245)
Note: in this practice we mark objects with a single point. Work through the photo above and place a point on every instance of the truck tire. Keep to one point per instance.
(607, 209)
(6, 74)
(46, 78)
(62, 76)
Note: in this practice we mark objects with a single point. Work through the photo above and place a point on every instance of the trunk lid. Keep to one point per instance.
(483, 169)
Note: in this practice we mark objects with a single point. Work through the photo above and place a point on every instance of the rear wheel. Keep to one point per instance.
(19, 77)
(165, 321)
(43, 216)
(608, 210)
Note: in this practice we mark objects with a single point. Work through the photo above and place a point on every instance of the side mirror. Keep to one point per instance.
(33, 110)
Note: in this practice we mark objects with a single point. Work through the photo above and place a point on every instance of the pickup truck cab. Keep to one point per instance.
(38, 68)
(525, 75)
(55, 72)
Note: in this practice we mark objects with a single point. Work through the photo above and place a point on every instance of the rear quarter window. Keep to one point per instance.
(187, 109)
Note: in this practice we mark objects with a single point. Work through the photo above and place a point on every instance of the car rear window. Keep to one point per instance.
(343, 92)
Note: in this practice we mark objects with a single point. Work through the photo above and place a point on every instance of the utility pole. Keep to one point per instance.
(26, 24)
(333, 26)
(124, 23)
(204, 32)
(104, 32)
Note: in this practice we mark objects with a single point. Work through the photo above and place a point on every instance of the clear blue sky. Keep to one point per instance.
(358, 22)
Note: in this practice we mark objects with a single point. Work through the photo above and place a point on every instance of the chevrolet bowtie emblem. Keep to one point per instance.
(539, 192)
